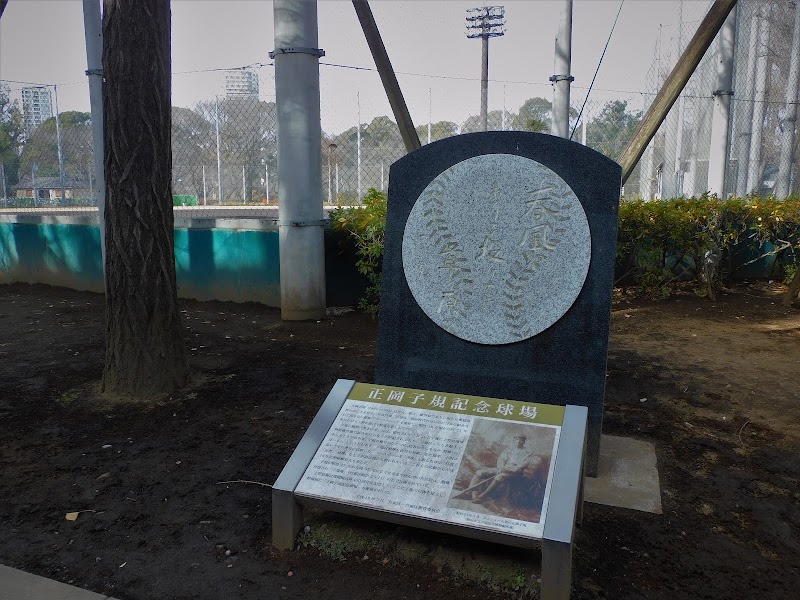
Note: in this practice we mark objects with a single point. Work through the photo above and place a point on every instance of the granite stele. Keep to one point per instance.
(498, 271)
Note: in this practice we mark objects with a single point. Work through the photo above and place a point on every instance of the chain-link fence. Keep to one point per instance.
(224, 146)
(762, 124)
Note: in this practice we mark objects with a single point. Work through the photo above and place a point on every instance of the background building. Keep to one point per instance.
(241, 83)
(37, 107)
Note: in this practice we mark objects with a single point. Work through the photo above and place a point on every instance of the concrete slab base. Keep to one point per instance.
(627, 476)
(19, 585)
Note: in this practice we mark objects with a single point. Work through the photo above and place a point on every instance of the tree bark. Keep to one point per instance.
(145, 352)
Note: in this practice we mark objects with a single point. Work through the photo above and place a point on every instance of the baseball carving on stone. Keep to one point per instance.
(496, 249)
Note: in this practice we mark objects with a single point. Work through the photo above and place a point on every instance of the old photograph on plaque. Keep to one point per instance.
(505, 470)
(480, 462)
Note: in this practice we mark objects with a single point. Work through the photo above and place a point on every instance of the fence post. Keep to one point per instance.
(757, 127)
(59, 147)
(746, 120)
(789, 122)
(5, 194)
(93, 32)
(720, 123)
(219, 158)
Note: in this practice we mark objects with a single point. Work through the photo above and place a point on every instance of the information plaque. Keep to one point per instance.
(488, 468)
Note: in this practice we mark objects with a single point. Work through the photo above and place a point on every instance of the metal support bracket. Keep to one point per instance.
(318, 223)
(557, 78)
(318, 52)
(722, 93)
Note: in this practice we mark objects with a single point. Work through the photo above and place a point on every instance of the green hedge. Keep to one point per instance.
(706, 240)
(661, 244)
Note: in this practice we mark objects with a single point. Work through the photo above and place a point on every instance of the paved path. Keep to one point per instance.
(19, 585)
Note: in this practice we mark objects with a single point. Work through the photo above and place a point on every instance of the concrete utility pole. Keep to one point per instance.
(746, 119)
(302, 252)
(562, 78)
(789, 121)
(93, 32)
(720, 123)
(757, 127)
(674, 84)
(485, 22)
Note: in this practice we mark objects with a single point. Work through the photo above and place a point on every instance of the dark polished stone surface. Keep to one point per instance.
(564, 364)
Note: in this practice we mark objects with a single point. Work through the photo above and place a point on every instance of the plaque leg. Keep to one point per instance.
(581, 485)
(287, 519)
(556, 570)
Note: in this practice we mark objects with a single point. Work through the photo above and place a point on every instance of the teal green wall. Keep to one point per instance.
(211, 264)
(228, 264)
(65, 255)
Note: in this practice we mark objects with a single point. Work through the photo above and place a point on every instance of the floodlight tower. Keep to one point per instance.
(485, 22)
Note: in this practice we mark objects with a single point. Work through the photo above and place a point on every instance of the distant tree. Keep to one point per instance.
(76, 145)
(11, 136)
(494, 122)
(193, 147)
(145, 352)
(439, 130)
(535, 115)
(248, 138)
(610, 130)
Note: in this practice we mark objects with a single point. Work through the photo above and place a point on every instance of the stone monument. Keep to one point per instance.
(498, 271)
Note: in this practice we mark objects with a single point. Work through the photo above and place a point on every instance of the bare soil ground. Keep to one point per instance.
(714, 385)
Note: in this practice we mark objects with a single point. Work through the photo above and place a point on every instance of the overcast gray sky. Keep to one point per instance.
(42, 41)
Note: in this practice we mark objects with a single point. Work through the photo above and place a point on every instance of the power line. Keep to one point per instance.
(597, 70)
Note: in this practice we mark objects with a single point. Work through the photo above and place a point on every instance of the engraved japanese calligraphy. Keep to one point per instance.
(496, 249)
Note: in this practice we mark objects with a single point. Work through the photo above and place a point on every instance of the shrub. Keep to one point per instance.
(366, 226)
(660, 243)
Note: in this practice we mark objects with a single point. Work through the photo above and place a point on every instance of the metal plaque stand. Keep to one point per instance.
(565, 508)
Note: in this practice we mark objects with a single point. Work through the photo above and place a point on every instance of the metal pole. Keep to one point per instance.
(746, 120)
(429, 115)
(219, 158)
(789, 121)
(301, 243)
(720, 123)
(583, 133)
(381, 175)
(337, 180)
(266, 180)
(5, 194)
(679, 122)
(33, 185)
(358, 146)
(329, 182)
(503, 114)
(484, 82)
(59, 147)
(561, 78)
(91, 187)
(93, 32)
(244, 189)
(757, 127)
(673, 86)
(204, 185)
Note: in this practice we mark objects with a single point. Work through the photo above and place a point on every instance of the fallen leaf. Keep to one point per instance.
(72, 516)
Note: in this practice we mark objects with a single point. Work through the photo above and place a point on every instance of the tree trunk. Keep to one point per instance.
(145, 352)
